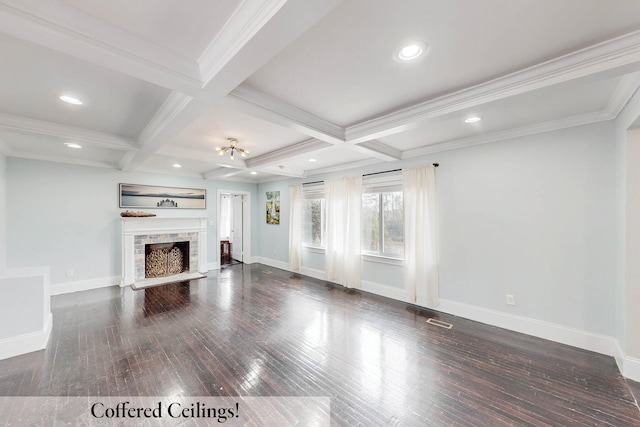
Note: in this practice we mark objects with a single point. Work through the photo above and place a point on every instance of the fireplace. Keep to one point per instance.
(165, 259)
(178, 248)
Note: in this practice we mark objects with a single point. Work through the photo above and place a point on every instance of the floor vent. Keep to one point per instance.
(439, 323)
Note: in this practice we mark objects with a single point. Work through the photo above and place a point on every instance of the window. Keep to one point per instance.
(313, 217)
(383, 216)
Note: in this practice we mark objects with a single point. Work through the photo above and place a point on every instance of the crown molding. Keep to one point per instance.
(598, 58)
(26, 125)
(244, 23)
(550, 126)
(171, 107)
(285, 153)
(172, 171)
(259, 104)
(62, 159)
(4, 148)
(60, 27)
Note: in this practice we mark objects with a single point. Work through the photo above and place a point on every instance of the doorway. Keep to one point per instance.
(233, 227)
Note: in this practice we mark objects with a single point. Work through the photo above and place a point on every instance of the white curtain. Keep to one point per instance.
(343, 204)
(225, 217)
(295, 227)
(420, 240)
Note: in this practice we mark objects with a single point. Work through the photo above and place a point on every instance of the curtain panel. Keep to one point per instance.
(420, 240)
(295, 227)
(343, 201)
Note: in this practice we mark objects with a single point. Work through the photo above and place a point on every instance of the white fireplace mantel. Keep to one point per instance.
(148, 226)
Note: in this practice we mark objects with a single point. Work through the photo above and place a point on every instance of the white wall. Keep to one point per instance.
(67, 217)
(25, 311)
(3, 210)
(533, 217)
(632, 245)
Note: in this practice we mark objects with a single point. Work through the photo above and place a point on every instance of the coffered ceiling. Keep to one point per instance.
(307, 86)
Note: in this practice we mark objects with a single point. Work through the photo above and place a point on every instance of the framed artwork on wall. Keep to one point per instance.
(273, 207)
(154, 197)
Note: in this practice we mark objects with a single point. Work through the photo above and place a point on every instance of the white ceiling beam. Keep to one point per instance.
(172, 106)
(282, 154)
(60, 27)
(284, 171)
(258, 104)
(26, 125)
(291, 20)
(627, 87)
(609, 55)
(243, 24)
(378, 150)
(342, 167)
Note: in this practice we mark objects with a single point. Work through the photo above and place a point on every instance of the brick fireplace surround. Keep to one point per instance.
(136, 232)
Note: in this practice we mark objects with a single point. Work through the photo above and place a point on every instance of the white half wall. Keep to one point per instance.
(25, 311)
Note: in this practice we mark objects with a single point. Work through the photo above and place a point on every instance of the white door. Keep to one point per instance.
(236, 227)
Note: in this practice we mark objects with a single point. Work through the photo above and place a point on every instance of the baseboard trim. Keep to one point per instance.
(631, 368)
(551, 331)
(26, 343)
(84, 285)
(384, 290)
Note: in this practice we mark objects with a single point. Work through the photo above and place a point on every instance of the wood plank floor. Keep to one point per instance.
(254, 330)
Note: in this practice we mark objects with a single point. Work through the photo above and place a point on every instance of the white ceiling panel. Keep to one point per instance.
(32, 78)
(554, 103)
(53, 148)
(217, 124)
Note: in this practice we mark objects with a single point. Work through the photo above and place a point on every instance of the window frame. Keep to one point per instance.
(387, 182)
(316, 192)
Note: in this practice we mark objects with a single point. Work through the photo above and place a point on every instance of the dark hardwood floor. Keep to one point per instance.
(254, 330)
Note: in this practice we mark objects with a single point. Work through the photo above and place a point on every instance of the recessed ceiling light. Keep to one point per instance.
(71, 100)
(473, 119)
(412, 51)
(254, 173)
(177, 165)
(312, 160)
(72, 145)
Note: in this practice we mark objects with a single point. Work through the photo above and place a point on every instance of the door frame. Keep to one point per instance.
(246, 224)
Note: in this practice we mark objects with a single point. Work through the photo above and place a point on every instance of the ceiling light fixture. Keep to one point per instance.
(312, 160)
(70, 100)
(72, 145)
(254, 173)
(232, 149)
(412, 51)
(473, 119)
(177, 165)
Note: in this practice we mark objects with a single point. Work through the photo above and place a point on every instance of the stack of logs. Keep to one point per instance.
(163, 262)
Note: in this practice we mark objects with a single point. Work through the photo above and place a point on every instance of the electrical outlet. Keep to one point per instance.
(69, 273)
(275, 252)
(511, 300)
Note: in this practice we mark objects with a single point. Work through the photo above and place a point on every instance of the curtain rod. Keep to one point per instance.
(435, 165)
